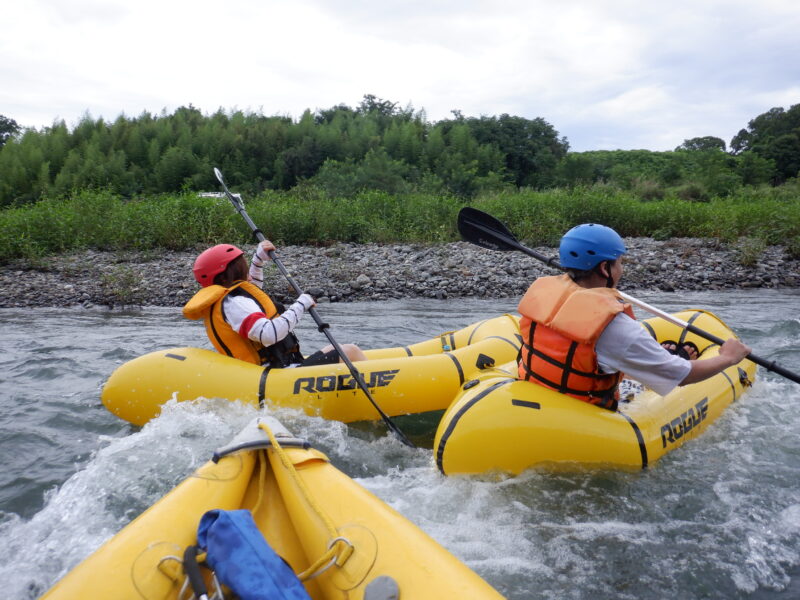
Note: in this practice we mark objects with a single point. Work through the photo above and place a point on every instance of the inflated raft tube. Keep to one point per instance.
(338, 539)
(499, 423)
(403, 380)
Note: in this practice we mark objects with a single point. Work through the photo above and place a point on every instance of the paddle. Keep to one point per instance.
(484, 230)
(236, 200)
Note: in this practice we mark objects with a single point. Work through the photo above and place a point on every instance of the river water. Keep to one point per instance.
(717, 518)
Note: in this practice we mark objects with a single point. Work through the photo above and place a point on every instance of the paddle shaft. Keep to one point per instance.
(493, 234)
(767, 364)
(321, 326)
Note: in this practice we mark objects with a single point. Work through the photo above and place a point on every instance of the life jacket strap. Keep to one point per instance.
(605, 398)
(556, 363)
(282, 353)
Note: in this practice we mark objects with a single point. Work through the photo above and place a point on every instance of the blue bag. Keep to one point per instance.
(243, 560)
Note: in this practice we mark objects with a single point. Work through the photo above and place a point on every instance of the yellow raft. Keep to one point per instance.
(499, 423)
(403, 380)
(342, 540)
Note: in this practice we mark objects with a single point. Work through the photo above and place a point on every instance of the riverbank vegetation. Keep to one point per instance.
(379, 172)
(306, 215)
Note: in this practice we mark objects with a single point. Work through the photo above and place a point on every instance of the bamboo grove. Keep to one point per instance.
(377, 145)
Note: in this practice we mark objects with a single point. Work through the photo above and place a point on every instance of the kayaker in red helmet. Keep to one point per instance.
(579, 337)
(242, 320)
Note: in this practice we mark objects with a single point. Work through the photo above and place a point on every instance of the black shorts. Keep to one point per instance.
(321, 358)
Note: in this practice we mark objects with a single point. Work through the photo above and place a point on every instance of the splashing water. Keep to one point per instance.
(718, 518)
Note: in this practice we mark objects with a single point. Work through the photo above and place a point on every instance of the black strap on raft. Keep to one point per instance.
(192, 570)
(680, 349)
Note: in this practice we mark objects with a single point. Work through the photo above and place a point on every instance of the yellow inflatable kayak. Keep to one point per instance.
(404, 380)
(338, 539)
(500, 423)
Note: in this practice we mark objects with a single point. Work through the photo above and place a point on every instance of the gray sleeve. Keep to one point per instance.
(626, 346)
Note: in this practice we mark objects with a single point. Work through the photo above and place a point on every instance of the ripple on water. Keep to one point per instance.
(719, 518)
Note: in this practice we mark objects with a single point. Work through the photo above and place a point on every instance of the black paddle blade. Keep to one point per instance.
(484, 230)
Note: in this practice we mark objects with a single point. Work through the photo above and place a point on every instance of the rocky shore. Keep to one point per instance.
(350, 272)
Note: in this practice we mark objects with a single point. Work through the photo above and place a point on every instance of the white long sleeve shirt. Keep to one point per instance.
(246, 318)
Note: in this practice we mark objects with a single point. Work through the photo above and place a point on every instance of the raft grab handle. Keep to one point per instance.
(258, 445)
(252, 437)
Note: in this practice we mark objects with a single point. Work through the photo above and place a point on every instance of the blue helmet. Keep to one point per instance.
(585, 246)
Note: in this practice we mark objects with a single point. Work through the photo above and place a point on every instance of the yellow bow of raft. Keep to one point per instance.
(340, 540)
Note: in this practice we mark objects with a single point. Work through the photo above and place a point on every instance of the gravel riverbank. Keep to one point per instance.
(351, 272)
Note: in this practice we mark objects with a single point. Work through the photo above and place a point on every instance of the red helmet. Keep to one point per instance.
(214, 261)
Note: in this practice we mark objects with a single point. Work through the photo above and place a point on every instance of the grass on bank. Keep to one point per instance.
(102, 220)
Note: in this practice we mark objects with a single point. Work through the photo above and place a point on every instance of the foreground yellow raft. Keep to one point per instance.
(308, 511)
(404, 380)
(498, 423)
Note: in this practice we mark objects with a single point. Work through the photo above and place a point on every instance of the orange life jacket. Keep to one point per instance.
(560, 325)
(206, 304)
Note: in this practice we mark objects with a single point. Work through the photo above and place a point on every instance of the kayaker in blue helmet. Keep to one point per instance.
(580, 337)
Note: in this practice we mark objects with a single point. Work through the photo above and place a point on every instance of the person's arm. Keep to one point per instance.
(257, 327)
(260, 258)
(730, 353)
(626, 346)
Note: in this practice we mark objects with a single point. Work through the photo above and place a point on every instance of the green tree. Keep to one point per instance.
(740, 142)
(531, 147)
(434, 147)
(754, 169)
(371, 104)
(176, 167)
(671, 173)
(784, 150)
(165, 152)
(8, 129)
(708, 142)
(716, 172)
(575, 169)
(774, 135)
(298, 162)
(378, 171)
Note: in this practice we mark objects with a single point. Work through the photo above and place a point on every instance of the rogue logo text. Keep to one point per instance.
(675, 429)
(336, 383)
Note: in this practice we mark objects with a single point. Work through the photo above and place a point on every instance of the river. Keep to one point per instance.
(717, 518)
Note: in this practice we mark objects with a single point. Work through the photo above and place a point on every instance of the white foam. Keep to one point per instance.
(119, 481)
(719, 508)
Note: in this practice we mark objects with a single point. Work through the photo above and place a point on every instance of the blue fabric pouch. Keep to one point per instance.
(243, 560)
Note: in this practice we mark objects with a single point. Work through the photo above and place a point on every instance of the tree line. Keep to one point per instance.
(378, 145)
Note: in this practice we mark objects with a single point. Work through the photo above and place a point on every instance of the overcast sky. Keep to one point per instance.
(606, 74)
